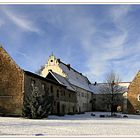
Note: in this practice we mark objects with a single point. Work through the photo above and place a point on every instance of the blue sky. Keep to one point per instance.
(94, 39)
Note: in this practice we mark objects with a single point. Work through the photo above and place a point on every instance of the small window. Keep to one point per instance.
(64, 92)
(69, 95)
(33, 83)
(51, 60)
(139, 97)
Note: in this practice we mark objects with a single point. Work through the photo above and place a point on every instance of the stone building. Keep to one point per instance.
(77, 81)
(11, 85)
(72, 91)
(100, 97)
(15, 83)
(64, 98)
(134, 95)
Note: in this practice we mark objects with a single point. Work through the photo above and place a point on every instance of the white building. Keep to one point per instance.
(77, 81)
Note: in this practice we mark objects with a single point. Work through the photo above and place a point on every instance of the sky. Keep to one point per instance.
(94, 39)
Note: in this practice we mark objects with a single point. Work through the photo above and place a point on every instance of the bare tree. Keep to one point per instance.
(111, 91)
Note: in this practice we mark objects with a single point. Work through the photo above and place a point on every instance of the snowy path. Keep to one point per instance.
(71, 125)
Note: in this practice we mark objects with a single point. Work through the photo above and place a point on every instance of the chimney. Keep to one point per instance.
(58, 60)
(68, 65)
(95, 83)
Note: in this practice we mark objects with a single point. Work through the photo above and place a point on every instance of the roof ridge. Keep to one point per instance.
(64, 78)
(73, 69)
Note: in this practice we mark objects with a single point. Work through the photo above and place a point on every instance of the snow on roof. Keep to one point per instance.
(124, 84)
(75, 78)
(62, 80)
(96, 88)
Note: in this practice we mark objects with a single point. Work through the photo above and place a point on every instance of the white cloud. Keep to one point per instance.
(112, 47)
(20, 21)
(119, 12)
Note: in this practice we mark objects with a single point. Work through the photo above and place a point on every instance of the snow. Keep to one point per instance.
(83, 125)
(62, 80)
(75, 78)
(96, 88)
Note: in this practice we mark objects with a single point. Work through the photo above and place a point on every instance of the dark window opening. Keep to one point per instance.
(54, 103)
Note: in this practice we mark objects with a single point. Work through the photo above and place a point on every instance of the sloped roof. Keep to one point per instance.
(62, 80)
(75, 78)
(42, 78)
(96, 88)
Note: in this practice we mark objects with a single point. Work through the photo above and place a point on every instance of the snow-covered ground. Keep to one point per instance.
(83, 125)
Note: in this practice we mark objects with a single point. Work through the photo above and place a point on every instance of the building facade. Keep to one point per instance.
(11, 85)
(77, 81)
(133, 96)
(102, 100)
(72, 91)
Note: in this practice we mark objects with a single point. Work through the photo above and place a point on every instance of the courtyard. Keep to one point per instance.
(83, 125)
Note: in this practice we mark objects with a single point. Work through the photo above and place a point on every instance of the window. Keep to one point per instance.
(51, 89)
(64, 92)
(33, 83)
(69, 94)
(139, 97)
(51, 60)
(54, 103)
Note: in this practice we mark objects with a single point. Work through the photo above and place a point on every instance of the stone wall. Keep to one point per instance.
(83, 100)
(101, 103)
(11, 85)
(133, 102)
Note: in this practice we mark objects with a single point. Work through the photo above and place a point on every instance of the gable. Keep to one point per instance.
(51, 77)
